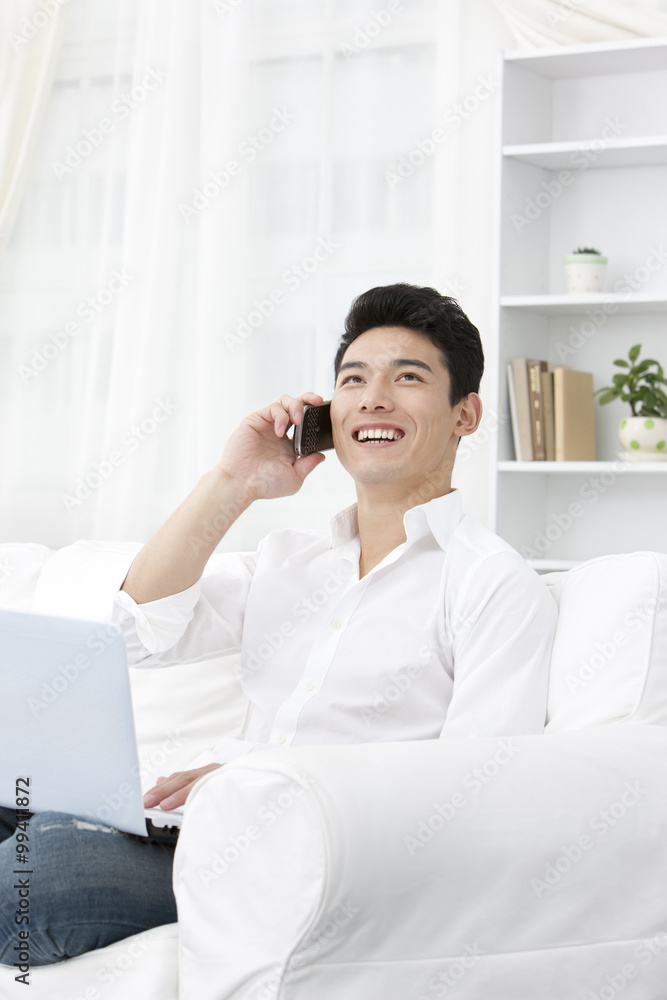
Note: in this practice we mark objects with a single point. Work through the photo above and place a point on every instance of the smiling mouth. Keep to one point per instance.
(375, 437)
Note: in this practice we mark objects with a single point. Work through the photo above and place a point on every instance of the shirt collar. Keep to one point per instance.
(440, 517)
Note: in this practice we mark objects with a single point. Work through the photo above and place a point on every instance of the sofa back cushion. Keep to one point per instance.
(21, 564)
(609, 660)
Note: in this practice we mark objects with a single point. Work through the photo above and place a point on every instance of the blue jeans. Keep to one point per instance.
(90, 885)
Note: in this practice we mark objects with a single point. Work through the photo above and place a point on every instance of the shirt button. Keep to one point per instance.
(309, 686)
(336, 623)
(281, 738)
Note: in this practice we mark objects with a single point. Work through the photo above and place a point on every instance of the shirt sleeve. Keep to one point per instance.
(503, 629)
(193, 625)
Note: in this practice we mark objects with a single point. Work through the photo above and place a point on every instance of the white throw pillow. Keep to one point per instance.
(609, 660)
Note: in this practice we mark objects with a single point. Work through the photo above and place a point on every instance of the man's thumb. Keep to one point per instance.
(304, 466)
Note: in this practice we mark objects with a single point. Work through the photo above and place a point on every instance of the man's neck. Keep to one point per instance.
(380, 517)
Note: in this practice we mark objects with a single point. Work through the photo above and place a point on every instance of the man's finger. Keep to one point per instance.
(179, 797)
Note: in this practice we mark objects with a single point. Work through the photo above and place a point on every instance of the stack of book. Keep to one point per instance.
(553, 412)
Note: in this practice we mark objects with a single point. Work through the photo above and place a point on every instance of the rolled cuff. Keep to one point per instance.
(160, 624)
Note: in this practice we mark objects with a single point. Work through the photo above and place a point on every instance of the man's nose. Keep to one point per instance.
(375, 398)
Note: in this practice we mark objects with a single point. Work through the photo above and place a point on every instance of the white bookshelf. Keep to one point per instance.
(596, 112)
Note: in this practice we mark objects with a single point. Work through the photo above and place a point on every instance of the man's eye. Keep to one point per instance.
(350, 377)
(410, 375)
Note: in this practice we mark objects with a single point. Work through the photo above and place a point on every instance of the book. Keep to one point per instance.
(524, 453)
(511, 392)
(574, 416)
(535, 369)
(548, 414)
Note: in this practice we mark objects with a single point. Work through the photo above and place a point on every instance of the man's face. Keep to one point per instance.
(392, 380)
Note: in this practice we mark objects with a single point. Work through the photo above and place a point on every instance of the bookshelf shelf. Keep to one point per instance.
(619, 467)
(570, 305)
(615, 153)
(552, 565)
(590, 110)
(597, 59)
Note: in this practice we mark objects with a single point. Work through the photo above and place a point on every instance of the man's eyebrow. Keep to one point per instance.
(395, 363)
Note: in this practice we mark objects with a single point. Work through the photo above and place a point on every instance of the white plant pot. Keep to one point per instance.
(585, 272)
(644, 438)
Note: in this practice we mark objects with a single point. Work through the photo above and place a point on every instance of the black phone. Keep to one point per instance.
(314, 432)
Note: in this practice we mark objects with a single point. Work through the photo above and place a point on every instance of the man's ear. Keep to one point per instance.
(470, 414)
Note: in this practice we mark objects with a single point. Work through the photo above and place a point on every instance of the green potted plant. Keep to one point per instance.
(642, 384)
(585, 270)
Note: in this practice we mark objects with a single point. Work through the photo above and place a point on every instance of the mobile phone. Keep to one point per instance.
(314, 432)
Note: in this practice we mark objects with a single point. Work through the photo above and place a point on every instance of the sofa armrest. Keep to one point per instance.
(517, 867)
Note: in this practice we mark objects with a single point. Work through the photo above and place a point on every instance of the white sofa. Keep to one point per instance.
(484, 869)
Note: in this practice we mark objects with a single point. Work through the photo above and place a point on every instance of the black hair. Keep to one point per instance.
(423, 310)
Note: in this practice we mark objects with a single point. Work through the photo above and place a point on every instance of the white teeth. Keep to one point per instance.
(375, 434)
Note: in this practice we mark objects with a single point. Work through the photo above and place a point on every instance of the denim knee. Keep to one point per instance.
(40, 899)
(85, 886)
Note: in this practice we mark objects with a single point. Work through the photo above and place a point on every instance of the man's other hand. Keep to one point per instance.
(171, 792)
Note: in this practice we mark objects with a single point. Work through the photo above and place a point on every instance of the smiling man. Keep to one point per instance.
(402, 591)
(406, 619)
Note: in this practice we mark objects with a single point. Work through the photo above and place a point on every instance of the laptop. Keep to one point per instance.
(67, 739)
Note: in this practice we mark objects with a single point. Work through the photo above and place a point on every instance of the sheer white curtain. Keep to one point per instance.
(110, 319)
(570, 22)
(162, 279)
(26, 76)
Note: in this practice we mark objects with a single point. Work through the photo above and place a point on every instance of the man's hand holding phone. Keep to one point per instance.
(260, 455)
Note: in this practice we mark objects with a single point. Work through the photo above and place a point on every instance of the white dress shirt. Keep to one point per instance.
(450, 635)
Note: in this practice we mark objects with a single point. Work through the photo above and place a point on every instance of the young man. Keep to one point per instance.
(403, 593)
(412, 587)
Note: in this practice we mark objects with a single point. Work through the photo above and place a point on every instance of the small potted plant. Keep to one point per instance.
(641, 384)
(585, 270)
